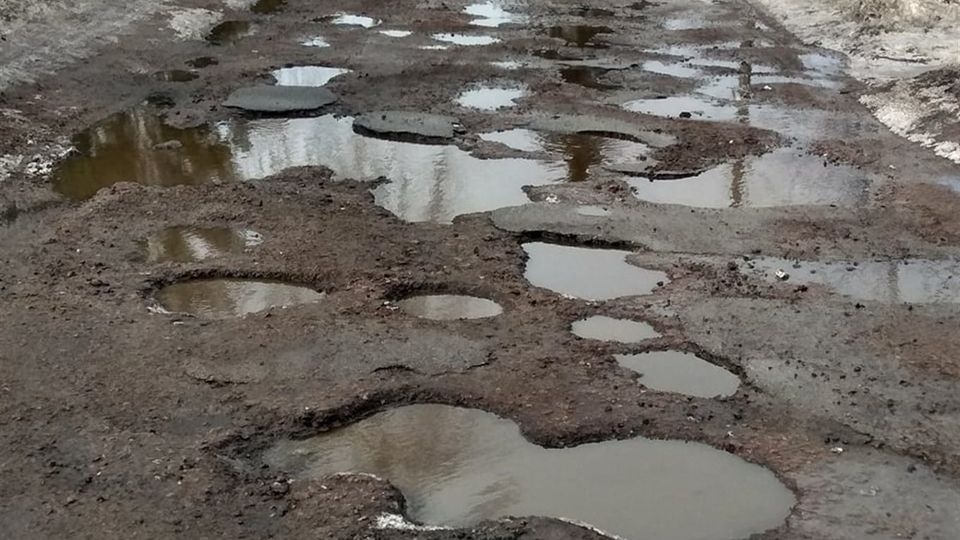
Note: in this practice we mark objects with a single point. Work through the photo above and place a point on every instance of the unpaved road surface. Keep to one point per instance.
(806, 249)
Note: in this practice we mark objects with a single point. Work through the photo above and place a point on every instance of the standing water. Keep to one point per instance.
(591, 274)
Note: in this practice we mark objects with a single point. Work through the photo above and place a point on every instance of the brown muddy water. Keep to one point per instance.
(426, 182)
(195, 244)
(603, 328)
(580, 35)
(229, 32)
(176, 75)
(590, 274)
(449, 307)
(682, 373)
(223, 298)
(458, 466)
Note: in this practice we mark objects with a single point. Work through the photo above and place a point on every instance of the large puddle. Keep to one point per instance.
(347, 19)
(457, 467)
(590, 274)
(603, 328)
(221, 298)
(681, 372)
(582, 152)
(427, 182)
(912, 281)
(783, 177)
(466, 39)
(579, 35)
(307, 75)
(492, 15)
(195, 244)
(450, 307)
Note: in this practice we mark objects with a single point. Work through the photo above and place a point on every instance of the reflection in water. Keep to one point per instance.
(427, 182)
(355, 20)
(680, 372)
(460, 466)
(176, 75)
(306, 75)
(672, 69)
(229, 32)
(525, 140)
(466, 40)
(579, 35)
(783, 177)
(491, 14)
(585, 76)
(265, 7)
(317, 41)
(591, 274)
(491, 98)
(194, 244)
(396, 33)
(219, 298)
(448, 307)
(674, 106)
(911, 281)
(609, 329)
(123, 148)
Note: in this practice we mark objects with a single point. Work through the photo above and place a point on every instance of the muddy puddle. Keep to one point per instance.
(492, 15)
(580, 35)
(587, 273)
(466, 39)
(427, 182)
(267, 7)
(583, 153)
(176, 75)
(603, 328)
(458, 466)
(489, 97)
(307, 75)
(202, 62)
(682, 107)
(222, 298)
(346, 19)
(682, 373)
(587, 77)
(784, 177)
(195, 244)
(229, 32)
(912, 281)
(449, 307)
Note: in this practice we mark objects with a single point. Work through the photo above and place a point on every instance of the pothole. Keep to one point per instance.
(449, 307)
(428, 182)
(229, 32)
(396, 33)
(681, 372)
(202, 62)
(911, 281)
(783, 177)
(466, 40)
(605, 328)
(267, 7)
(316, 41)
(492, 14)
(347, 19)
(587, 273)
(525, 140)
(222, 298)
(307, 75)
(457, 467)
(176, 75)
(490, 97)
(580, 35)
(195, 244)
(673, 69)
(682, 107)
(586, 77)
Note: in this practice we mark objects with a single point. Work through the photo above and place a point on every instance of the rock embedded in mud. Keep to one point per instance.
(391, 124)
(280, 99)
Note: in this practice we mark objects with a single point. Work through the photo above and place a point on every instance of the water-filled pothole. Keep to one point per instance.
(229, 32)
(586, 77)
(580, 35)
(492, 14)
(195, 244)
(672, 69)
(346, 19)
(591, 274)
(266, 7)
(605, 328)
(490, 97)
(682, 106)
(457, 467)
(176, 75)
(307, 75)
(465, 39)
(427, 182)
(450, 307)
(202, 62)
(316, 41)
(396, 33)
(681, 372)
(784, 177)
(221, 298)
(912, 281)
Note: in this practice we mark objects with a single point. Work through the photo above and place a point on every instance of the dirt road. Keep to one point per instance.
(196, 299)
